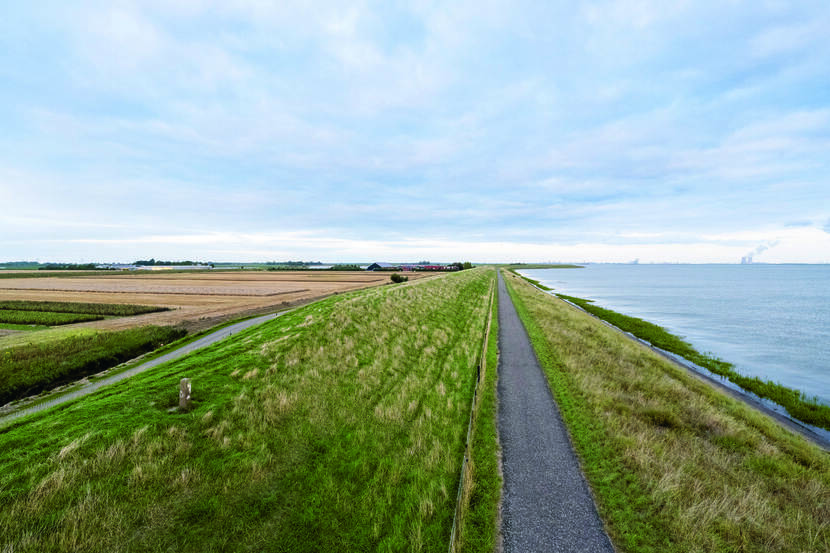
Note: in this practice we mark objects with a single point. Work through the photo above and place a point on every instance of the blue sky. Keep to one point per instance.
(483, 130)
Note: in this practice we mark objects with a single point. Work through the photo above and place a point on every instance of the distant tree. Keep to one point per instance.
(467, 265)
(68, 267)
(398, 278)
(153, 262)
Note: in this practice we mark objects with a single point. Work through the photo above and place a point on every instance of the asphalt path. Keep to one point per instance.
(91, 387)
(546, 503)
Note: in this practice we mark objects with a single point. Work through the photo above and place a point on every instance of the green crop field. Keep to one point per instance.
(675, 464)
(44, 318)
(337, 427)
(31, 368)
(50, 313)
(102, 309)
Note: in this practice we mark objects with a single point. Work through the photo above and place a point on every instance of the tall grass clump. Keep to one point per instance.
(798, 405)
(675, 464)
(339, 426)
(29, 369)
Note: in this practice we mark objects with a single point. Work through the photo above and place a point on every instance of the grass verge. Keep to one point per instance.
(480, 528)
(674, 464)
(29, 369)
(798, 405)
(338, 426)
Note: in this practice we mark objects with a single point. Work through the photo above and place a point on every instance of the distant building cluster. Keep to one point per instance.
(380, 266)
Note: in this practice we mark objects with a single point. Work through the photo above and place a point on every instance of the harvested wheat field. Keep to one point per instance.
(199, 300)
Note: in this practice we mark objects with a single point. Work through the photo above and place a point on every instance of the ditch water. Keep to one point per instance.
(770, 321)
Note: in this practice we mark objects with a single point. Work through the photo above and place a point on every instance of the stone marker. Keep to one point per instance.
(184, 393)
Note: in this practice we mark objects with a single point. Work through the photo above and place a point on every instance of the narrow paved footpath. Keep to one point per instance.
(546, 504)
(206, 340)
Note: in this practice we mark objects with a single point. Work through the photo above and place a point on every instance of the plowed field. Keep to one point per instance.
(199, 300)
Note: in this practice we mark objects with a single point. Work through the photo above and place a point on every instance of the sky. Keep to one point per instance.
(605, 131)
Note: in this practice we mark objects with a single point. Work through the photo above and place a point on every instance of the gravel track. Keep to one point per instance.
(546, 504)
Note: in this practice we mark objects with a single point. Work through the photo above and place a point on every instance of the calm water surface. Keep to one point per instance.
(771, 321)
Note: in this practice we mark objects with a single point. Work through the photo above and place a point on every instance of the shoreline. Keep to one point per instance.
(812, 433)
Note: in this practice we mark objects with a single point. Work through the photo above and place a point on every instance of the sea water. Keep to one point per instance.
(771, 321)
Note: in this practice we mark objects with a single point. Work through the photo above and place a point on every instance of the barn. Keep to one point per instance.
(380, 266)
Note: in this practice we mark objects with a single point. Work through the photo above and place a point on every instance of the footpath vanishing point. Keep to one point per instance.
(546, 502)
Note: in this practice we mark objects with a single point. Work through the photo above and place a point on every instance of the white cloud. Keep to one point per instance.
(616, 128)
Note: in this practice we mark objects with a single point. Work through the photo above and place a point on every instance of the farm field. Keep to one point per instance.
(339, 426)
(198, 300)
(29, 369)
(48, 313)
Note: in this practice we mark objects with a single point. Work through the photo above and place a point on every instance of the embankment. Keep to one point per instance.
(675, 464)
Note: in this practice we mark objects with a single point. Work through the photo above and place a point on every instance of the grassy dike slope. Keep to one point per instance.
(339, 426)
(675, 465)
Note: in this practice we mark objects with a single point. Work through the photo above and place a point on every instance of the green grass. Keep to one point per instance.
(44, 318)
(43, 336)
(9, 326)
(29, 369)
(338, 426)
(532, 281)
(49, 313)
(798, 405)
(480, 524)
(675, 465)
(102, 309)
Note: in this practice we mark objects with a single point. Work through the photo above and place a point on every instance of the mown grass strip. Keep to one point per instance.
(466, 478)
(479, 530)
(798, 405)
(30, 369)
(45, 318)
(338, 426)
(103, 309)
(675, 465)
